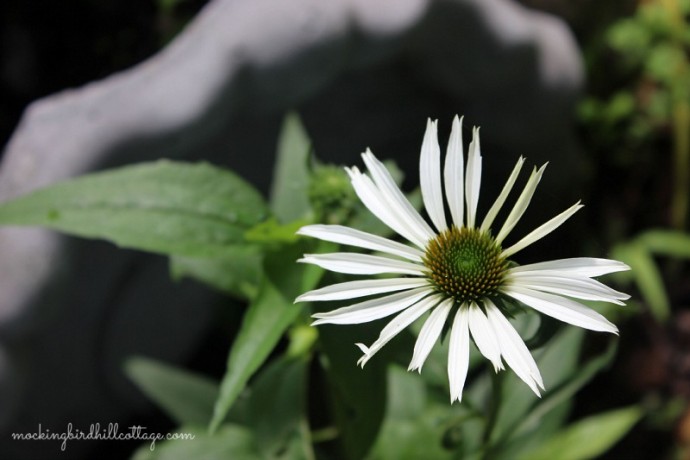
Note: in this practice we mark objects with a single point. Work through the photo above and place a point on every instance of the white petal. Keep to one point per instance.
(349, 236)
(454, 174)
(397, 324)
(496, 207)
(362, 264)
(484, 337)
(521, 204)
(430, 176)
(583, 266)
(373, 309)
(459, 353)
(395, 198)
(429, 334)
(562, 309)
(473, 179)
(513, 349)
(542, 230)
(571, 286)
(361, 288)
(370, 195)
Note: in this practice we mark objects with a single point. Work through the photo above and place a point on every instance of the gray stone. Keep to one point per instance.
(361, 73)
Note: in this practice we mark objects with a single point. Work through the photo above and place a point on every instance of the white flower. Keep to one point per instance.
(458, 268)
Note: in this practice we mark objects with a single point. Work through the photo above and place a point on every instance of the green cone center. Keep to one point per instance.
(465, 263)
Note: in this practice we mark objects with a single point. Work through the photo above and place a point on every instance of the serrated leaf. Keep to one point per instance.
(265, 321)
(165, 207)
(589, 437)
(186, 397)
(289, 196)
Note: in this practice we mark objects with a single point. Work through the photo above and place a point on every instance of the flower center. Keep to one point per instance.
(465, 263)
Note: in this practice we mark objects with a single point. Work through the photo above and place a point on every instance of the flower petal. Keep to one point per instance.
(513, 349)
(361, 288)
(543, 230)
(484, 336)
(395, 198)
(521, 204)
(454, 173)
(370, 196)
(397, 324)
(373, 309)
(459, 353)
(362, 264)
(473, 178)
(349, 236)
(571, 286)
(430, 176)
(496, 207)
(583, 266)
(429, 334)
(561, 308)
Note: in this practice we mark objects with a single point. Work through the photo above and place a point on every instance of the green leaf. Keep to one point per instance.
(557, 362)
(230, 441)
(666, 242)
(276, 413)
(563, 392)
(265, 321)
(187, 398)
(414, 426)
(358, 395)
(165, 207)
(237, 271)
(289, 197)
(647, 277)
(589, 437)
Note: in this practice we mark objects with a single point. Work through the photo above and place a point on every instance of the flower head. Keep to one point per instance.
(459, 270)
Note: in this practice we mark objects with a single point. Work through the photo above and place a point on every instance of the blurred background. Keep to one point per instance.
(601, 90)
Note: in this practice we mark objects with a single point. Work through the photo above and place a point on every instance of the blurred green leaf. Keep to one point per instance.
(237, 271)
(666, 242)
(289, 197)
(358, 395)
(265, 321)
(414, 426)
(629, 37)
(186, 397)
(558, 362)
(647, 277)
(664, 62)
(562, 392)
(229, 442)
(276, 410)
(589, 437)
(165, 207)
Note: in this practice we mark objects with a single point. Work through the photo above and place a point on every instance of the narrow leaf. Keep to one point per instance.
(289, 198)
(589, 437)
(265, 321)
(187, 398)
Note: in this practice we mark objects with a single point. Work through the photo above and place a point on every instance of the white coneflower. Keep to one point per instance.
(458, 269)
